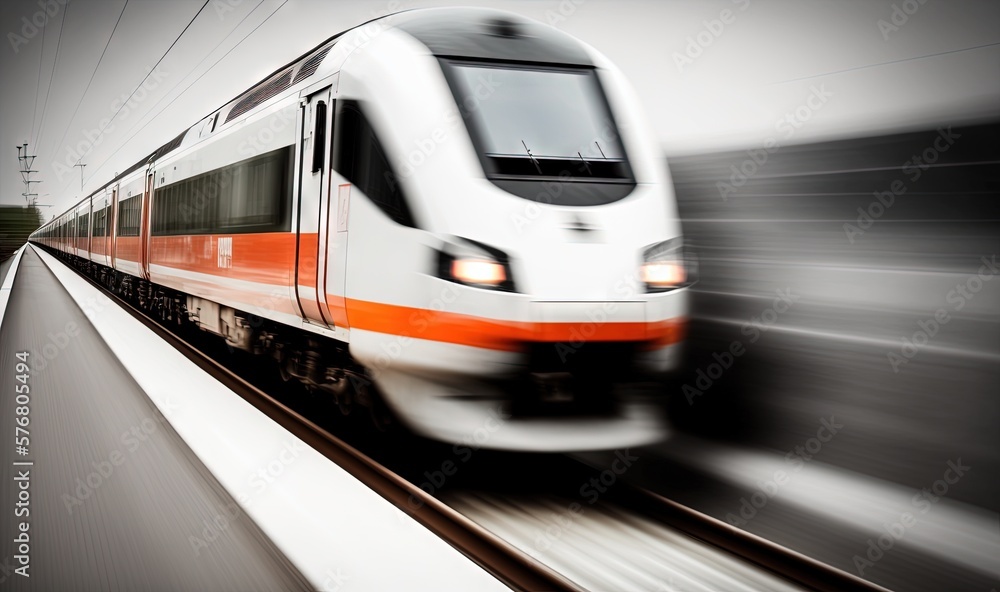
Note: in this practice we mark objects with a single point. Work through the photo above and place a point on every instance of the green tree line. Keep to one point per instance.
(16, 223)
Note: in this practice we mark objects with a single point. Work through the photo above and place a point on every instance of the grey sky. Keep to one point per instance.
(708, 78)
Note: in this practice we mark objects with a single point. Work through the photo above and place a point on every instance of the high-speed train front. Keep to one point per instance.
(518, 263)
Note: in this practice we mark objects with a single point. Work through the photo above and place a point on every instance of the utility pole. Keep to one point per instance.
(25, 161)
(80, 164)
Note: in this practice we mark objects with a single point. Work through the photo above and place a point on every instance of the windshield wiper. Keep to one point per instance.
(602, 151)
(589, 172)
(532, 157)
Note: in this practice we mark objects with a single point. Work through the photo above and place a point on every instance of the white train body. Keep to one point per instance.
(513, 258)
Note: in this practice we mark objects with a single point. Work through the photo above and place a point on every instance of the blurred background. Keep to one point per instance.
(887, 328)
(860, 341)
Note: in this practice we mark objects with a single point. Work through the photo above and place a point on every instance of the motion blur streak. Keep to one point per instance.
(604, 547)
(846, 325)
(862, 303)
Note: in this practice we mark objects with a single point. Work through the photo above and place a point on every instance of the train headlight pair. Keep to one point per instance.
(668, 266)
(472, 263)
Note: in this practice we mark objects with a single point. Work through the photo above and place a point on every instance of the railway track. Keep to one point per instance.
(512, 564)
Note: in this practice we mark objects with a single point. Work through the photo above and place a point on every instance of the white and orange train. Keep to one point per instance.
(457, 212)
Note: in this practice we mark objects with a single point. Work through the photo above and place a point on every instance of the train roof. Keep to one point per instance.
(474, 33)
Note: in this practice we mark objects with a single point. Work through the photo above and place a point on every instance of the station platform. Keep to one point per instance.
(145, 472)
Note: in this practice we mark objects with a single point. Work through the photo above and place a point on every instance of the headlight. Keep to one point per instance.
(478, 271)
(474, 264)
(668, 266)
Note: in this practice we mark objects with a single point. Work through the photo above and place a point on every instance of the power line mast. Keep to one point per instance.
(80, 164)
(25, 162)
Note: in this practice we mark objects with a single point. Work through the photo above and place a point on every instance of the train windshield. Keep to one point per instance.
(537, 122)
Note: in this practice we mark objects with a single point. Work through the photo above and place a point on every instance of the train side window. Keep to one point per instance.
(102, 223)
(128, 216)
(362, 160)
(98, 229)
(319, 137)
(252, 195)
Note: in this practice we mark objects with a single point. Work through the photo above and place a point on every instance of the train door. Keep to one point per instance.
(112, 222)
(102, 242)
(89, 240)
(96, 244)
(315, 117)
(82, 232)
(145, 230)
(106, 232)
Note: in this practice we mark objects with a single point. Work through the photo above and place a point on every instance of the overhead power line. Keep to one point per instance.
(55, 64)
(38, 85)
(876, 65)
(92, 75)
(207, 55)
(240, 42)
(144, 78)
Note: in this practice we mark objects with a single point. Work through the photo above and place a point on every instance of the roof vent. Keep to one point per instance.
(261, 93)
(310, 66)
(169, 146)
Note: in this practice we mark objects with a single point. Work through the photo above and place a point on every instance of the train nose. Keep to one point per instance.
(579, 272)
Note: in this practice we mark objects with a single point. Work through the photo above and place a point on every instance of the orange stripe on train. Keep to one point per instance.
(502, 335)
(269, 258)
